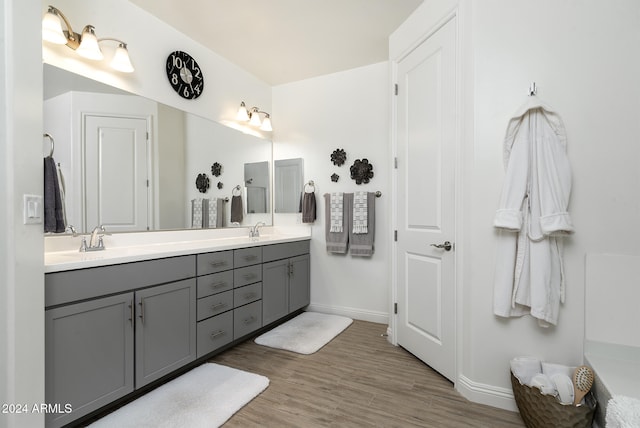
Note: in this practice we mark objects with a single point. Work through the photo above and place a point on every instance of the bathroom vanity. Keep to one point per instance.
(122, 321)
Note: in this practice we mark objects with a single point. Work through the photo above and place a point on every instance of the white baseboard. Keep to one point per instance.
(486, 394)
(354, 313)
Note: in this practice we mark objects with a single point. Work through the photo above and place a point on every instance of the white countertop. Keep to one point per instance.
(61, 252)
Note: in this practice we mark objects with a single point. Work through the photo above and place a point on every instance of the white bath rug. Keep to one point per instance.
(306, 333)
(204, 397)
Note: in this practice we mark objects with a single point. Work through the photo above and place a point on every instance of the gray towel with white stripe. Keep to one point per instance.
(362, 244)
(360, 212)
(336, 212)
(337, 242)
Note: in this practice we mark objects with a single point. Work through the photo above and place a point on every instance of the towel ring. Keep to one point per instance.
(238, 189)
(310, 184)
(53, 144)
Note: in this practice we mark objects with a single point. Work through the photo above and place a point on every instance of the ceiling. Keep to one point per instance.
(281, 41)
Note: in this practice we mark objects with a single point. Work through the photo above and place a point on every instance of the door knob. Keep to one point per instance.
(447, 246)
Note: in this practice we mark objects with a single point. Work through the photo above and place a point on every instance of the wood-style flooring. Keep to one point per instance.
(357, 380)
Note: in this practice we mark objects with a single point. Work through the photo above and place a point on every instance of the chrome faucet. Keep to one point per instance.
(93, 245)
(254, 232)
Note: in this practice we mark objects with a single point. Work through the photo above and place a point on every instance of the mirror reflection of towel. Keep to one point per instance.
(308, 207)
(236, 209)
(196, 213)
(53, 209)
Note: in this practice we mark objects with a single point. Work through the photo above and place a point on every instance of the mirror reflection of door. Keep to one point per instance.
(288, 185)
(256, 183)
(116, 173)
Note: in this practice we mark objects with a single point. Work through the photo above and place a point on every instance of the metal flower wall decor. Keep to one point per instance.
(216, 169)
(202, 183)
(335, 177)
(338, 157)
(361, 171)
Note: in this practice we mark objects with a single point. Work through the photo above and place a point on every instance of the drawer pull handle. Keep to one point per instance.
(248, 276)
(217, 334)
(219, 284)
(249, 320)
(218, 306)
(251, 295)
(218, 263)
(250, 257)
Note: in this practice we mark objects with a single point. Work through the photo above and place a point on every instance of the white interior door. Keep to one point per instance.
(115, 173)
(426, 149)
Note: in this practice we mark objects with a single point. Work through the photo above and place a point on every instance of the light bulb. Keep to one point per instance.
(266, 124)
(52, 28)
(242, 115)
(121, 60)
(89, 45)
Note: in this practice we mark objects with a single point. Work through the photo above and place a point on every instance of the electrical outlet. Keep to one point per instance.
(33, 209)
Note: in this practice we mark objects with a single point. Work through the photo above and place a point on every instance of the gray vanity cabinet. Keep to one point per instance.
(89, 355)
(165, 329)
(285, 279)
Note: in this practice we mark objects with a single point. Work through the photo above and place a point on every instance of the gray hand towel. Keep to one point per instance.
(362, 243)
(220, 212)
(236, 209)
(309, 207)
(337, 242)
(53, 211)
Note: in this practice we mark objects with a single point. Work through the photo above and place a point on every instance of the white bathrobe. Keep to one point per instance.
(532, 217)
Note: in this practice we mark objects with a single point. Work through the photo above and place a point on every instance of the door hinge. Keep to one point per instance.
(395, 235)
(147, 183)
(395, 308)
(147, 136)
(395, 163)
(396, 89)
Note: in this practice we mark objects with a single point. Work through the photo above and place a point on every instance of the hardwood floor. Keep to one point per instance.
(357, 380)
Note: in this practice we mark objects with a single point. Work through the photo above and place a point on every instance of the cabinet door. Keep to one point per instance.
(299, 287)
(275, 291)
(165, 329)
(88, 355)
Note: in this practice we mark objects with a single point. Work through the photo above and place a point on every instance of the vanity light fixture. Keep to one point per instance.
(85, 44)
(252, 116)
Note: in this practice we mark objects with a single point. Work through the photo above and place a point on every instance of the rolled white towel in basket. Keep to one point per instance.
(623, 412)
(525, 368)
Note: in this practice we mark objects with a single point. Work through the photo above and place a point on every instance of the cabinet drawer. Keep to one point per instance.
(214, 262)
(214, 305)
(247, 294)
(247, 275)
(214, 283)
(284, 251)
(214, 333)
(82, 284)
(247, 257)
(246, 319)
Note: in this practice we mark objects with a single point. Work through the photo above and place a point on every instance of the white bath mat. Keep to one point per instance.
(306, 333)
(204, 397)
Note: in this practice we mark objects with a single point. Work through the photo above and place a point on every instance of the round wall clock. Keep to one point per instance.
(185, 75)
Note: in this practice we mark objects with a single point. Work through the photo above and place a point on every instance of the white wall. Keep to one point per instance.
(347, 110)
(582, 55)
(21, 246)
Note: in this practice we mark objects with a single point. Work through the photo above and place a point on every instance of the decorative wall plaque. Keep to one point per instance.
(216, 169)
(202, 183)
(338, 157)
(335, 177)
(361, 171)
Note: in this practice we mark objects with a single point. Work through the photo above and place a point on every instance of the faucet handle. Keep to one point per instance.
(72, 229)
(83, 245)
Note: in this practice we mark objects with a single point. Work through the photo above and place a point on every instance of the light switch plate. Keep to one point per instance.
(33, 209)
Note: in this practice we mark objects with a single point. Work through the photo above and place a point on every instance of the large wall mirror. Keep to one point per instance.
(134, 164)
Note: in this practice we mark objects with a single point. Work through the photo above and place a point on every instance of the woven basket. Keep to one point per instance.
(545, 411)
